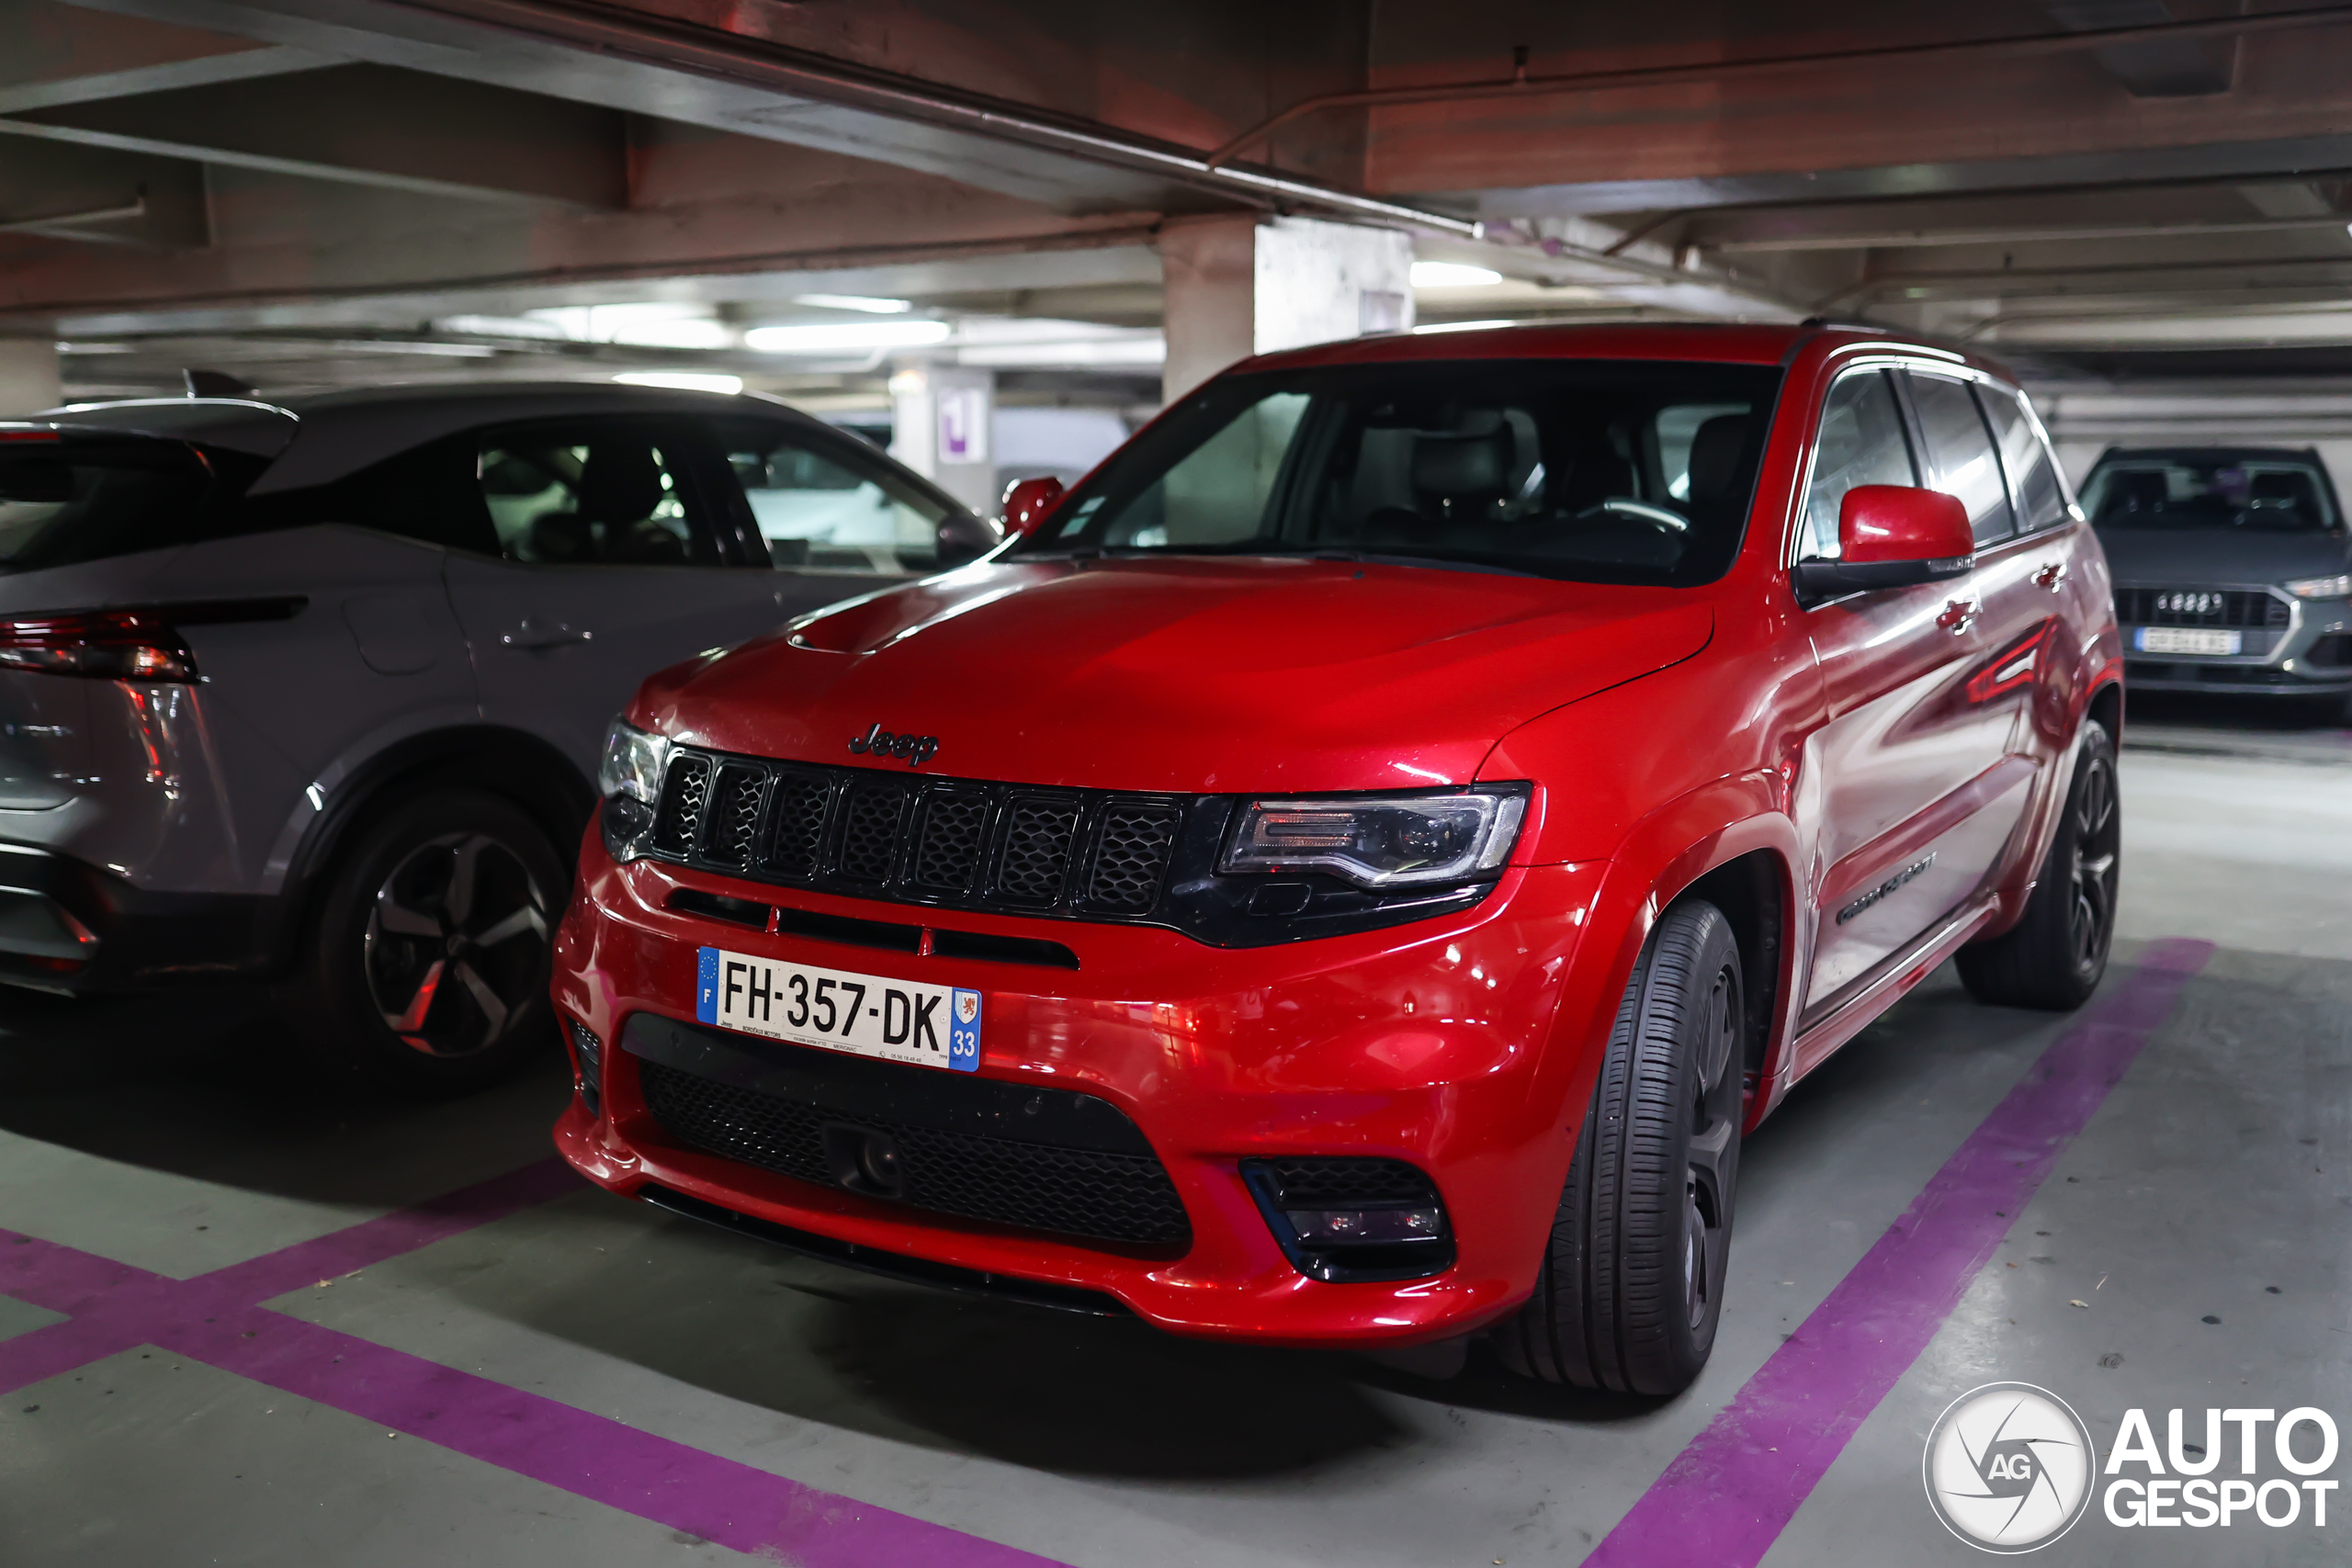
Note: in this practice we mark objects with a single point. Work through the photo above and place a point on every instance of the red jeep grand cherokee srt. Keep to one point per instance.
(1350, 873)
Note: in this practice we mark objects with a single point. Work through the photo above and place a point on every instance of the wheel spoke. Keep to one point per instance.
(393, 915)
(526, 918)
(464, 870)
(411, 1018)
(494, 1007)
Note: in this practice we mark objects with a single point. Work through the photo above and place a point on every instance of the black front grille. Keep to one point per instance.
(1072, 1191)
(2250, 608)
(960, 842)
(1338, 1182)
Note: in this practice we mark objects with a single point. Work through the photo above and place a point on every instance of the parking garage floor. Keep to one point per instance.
(240, 1326)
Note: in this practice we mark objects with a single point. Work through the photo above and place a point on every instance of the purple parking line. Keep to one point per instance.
(216, 1318)
(1727, 1497)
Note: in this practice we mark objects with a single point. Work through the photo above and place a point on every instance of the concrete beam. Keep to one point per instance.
(52, 54)
(367, 125)
(98, 195)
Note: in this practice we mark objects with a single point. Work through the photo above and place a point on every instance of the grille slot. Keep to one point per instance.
(684, 796)
(1132, 857)
(1338, 1182)
(947, 850)
(870, 831)
(797, 808)
(2249, 608)
(732, 818)
(1094, 1193)
(1037, 834)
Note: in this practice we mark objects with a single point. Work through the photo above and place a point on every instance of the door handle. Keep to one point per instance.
(2050, 576)
(1958, 615)
(531, 637)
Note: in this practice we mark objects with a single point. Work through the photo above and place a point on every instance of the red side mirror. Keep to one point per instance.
(1890, 537)
(1027, 503)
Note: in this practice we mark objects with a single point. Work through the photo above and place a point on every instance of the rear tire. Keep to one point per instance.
(426, 970)
(1631, 1287)
(2054, 957)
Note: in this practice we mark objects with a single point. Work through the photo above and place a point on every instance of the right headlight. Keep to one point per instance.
(1382, 841)
(2336, 587)
(629, 775)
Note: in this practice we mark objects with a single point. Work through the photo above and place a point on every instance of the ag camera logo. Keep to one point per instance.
(2009, 1467)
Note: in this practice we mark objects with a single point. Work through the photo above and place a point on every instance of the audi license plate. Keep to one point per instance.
(898, 1020)
(2185, 640)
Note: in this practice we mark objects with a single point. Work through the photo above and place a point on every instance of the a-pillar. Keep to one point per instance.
(940, 419)
(1238, 285)
(28, 376)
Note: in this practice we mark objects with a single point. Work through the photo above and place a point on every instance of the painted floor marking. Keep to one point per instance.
(217, 1319)
(1727, 1497)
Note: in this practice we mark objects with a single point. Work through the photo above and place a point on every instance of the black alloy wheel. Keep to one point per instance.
(2054, 957)
(456, 944)
(425, 971)
(1630, 1290)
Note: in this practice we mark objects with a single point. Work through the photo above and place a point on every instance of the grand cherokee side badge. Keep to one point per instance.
(912, 749)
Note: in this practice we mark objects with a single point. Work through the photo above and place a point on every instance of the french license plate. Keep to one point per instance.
(898, 1020)
(2185, 640)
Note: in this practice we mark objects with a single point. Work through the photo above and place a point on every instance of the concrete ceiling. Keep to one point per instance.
(335, 190)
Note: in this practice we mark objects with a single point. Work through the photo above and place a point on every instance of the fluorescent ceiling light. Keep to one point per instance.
(683, 380)
(1459, 326)
(1452, 275)
(840, 337)
(865, 302)
(658, 323)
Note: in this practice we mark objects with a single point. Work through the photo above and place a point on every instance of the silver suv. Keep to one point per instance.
(2233, 570)
(313, 691)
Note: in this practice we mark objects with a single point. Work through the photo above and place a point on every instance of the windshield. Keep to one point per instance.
(2258, 495)
(1593, 470)
(69, 501)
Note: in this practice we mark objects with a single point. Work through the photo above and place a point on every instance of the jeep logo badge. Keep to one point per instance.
(912, 749)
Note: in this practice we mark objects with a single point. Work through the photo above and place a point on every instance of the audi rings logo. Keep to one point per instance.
(2009, 1467)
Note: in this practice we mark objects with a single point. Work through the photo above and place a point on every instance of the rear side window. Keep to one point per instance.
(2032, 475)
(1862, 443)
(1960, 449)
(70, 500)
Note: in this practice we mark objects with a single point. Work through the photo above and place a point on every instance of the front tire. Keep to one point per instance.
(1631, 1287)
(2054, 957)
(426, 970)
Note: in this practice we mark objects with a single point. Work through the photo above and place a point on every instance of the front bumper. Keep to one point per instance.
(2310, 657)
(1456, 1045)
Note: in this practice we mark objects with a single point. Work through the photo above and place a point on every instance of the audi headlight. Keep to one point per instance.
(629, 777)
(1386, 841)
(2338, 586)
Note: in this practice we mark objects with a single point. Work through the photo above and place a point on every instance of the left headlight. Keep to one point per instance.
(2335, 587)
(1385, 841)
(629, 776)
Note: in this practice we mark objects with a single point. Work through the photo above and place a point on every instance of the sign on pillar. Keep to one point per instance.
(941, 415)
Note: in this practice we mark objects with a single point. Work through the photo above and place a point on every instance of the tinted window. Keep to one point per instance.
(427, 493)
(611, 493)
(825, 503)
(1960, 450)
(2032, 474)
(1604, 472)
(62, 501)
(2250, 495)
(1862, 443)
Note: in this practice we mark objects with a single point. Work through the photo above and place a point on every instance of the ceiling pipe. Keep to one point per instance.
(2018, 46)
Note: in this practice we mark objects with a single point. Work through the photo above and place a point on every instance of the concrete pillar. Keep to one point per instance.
(1238, 285)
(29, 380)
(940, 416)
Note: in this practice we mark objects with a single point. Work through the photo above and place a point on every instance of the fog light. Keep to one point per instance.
(588, 1070)
(1344, 1226)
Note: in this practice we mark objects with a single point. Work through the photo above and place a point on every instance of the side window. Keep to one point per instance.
(607, 493)
(824, 504)
(2032, 474)
(1862, 443)
(1960, 451)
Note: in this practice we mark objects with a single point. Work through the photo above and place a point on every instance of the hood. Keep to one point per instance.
(1245, 674)
(2210, 557)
